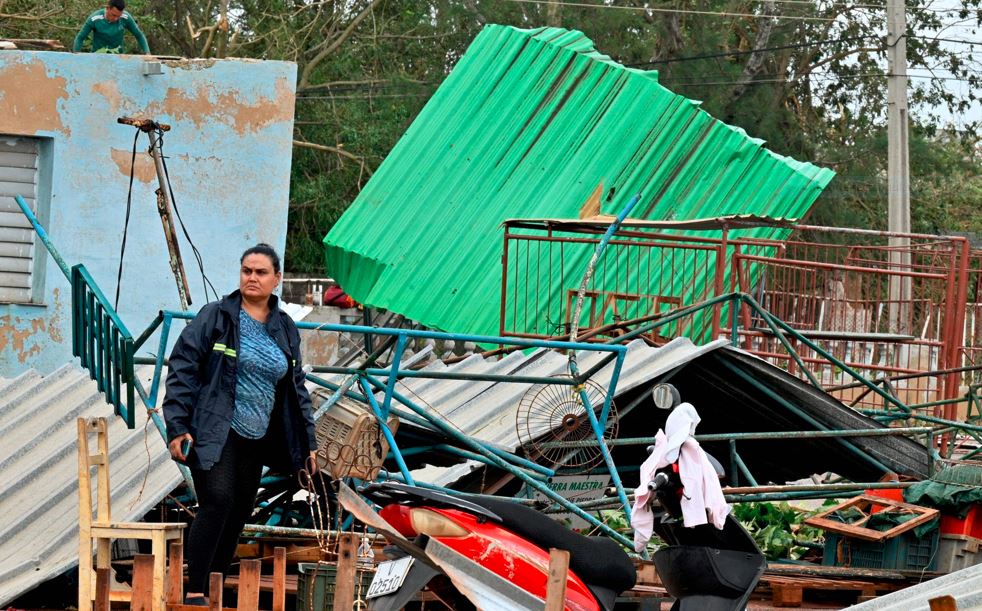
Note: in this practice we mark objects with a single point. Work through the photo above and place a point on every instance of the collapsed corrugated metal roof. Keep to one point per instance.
(705, 375)
(39, 462)
(527, 125)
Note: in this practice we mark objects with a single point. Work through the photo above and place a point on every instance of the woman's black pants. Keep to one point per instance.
(226, 496)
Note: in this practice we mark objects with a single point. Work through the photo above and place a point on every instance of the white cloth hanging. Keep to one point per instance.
(702, 499)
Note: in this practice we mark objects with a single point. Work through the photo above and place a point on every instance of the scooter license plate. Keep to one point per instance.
(389, 577)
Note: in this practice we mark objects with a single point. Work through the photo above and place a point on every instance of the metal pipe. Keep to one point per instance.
(448, 375)
(753, 303)
(709, 437)
(393, 375)
(836, 266)
(383, 425)
(801, 414)
(39, 230)
(787, 346)
(498, 451)
(675, 315)
(818, 487)
(502, 464)
(742, 466)
(734, 494)
(287, 531)
(908, 376)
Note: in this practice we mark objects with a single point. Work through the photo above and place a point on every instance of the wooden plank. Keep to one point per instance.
(142, 583)
(215, 592)
(159, 547)
(175, 573)
(786, 595)
(835, 572)
(558, 574)
(344, 585)
(102, 472)
(265, 583)
(136, 531)
(279, 579)
(102, 589)
(248, 597)
(84, 519)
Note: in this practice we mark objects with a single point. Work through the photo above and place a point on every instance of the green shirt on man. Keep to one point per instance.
(109, 36)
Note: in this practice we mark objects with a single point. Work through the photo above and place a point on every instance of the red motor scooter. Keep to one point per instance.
(507, 541)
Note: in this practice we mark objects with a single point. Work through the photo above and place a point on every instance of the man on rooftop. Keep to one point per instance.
(107, 28)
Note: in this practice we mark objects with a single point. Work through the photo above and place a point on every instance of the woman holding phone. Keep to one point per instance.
(235, 400)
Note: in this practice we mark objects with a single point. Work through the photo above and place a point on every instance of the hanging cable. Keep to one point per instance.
(197, 255)
(126, 223)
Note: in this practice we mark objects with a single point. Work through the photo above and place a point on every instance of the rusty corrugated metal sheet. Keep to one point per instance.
(39, 463)
(527, 125)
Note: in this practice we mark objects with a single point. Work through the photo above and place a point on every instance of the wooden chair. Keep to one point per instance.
(99, 530)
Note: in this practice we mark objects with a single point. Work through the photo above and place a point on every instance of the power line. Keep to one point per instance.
(736, 53)
(938, 39)
(813, 77)
(812, 3)
(679, 11)
(364, 97)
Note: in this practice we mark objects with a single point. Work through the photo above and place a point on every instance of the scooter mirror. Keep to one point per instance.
(665, 396)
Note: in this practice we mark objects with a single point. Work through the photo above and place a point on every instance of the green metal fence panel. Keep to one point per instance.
(103, 344)
(527, 124)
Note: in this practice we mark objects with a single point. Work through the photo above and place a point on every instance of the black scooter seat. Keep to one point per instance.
(598, 561)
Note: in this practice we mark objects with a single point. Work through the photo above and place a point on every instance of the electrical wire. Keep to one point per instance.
(818, 78)
(126, 223)
(669, 10)
(737, 53)
(206, 283)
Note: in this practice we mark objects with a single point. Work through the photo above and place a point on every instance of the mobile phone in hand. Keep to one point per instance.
(185, 447)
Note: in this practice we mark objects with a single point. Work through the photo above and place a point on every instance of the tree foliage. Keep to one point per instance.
(808, 76)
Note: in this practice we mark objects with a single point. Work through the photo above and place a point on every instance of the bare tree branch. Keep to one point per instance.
(336, 151)
(335, 44)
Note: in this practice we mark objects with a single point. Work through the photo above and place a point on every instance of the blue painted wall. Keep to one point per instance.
(228, 155)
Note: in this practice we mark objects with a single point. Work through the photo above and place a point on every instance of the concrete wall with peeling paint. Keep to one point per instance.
(228, 155)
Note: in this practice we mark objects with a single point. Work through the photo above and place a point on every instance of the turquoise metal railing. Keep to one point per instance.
(99, 338)
(103, 344)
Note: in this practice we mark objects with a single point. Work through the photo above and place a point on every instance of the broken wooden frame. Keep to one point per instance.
(868, 505)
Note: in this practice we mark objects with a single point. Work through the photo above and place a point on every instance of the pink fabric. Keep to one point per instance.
(702, 500)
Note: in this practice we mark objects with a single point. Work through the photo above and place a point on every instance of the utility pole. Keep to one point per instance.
(898, 165)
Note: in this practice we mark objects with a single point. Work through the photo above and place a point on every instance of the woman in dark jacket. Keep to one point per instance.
(235, 400)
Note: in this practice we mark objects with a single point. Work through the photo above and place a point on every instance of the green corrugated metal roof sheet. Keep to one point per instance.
(526, 125)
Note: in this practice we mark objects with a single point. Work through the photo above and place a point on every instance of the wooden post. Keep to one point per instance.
(159, 546)
(279, 579)
(84, 519)
(175, 574)
(558, 573)
(248, 599)
(344, 579)
(943, 603)
(102, 590)
(215, 586)
(142, 583)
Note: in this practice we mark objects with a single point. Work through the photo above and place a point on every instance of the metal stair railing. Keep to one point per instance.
(99, 338)
(103, 344)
